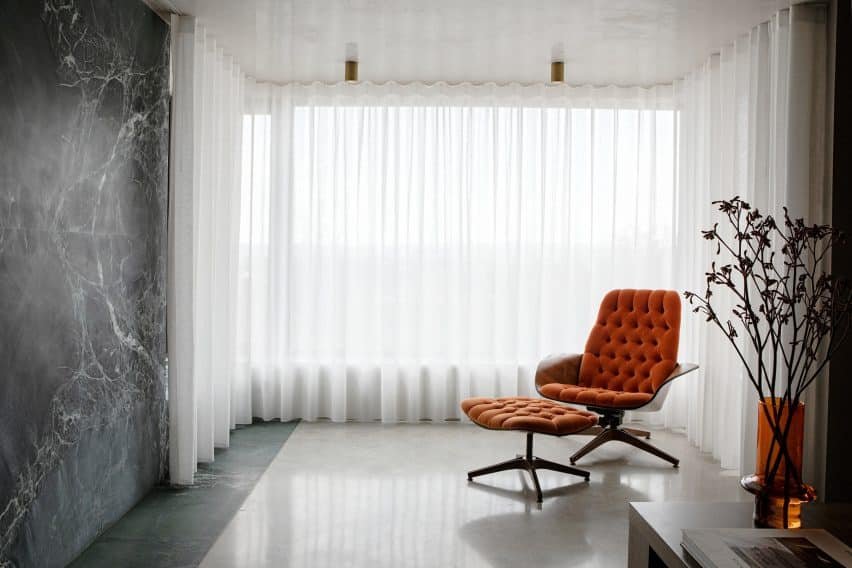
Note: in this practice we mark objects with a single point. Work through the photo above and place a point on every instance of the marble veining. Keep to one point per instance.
(83, 192)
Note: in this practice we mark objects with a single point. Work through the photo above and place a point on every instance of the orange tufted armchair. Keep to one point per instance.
(629, 362)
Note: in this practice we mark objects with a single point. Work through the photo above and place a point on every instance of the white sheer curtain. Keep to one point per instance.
(404, 247)
(752, 123)
(204, 236)
(433, 242)
(397, 248)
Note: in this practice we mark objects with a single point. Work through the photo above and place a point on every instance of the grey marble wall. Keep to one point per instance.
(83, 187)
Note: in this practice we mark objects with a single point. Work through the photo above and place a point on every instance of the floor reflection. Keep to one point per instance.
(398, 495)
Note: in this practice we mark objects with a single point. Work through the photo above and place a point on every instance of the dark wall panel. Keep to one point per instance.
(838, 461)
(83, 186)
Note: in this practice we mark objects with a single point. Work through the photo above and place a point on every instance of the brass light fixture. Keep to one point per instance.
(350, 74)
(557, 72)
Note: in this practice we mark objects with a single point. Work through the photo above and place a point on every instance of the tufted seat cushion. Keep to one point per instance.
(528, 414)
(595, 396)
(631, 351)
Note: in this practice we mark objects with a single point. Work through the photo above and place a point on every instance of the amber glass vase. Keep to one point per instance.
(778, 498)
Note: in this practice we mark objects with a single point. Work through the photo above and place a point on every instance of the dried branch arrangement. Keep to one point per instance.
(789, 316)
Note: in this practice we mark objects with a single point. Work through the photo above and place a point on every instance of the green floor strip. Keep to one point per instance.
(176, 527)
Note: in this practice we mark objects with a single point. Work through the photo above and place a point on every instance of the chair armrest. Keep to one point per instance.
(662, 391)
(561, 368)
(680, 369)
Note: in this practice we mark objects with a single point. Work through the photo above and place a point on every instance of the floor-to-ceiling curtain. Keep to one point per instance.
(203, 247)
(400, 247)
(752, 123)
(403, 247)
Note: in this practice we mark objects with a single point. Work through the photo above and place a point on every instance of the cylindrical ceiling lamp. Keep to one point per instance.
(350, 73)
(557, 72)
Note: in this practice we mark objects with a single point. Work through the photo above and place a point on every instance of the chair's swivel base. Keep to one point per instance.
(530, 464)
(622, 435)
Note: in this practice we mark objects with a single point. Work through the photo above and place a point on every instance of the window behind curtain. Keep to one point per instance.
(447, 233)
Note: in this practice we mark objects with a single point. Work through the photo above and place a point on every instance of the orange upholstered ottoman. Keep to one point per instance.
(533, 416)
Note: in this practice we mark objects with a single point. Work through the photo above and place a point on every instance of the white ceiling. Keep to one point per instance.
(622, 42)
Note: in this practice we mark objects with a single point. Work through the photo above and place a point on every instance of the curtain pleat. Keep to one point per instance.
(206, 396)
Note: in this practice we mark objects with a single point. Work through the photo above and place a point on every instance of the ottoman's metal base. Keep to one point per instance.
(529, 463)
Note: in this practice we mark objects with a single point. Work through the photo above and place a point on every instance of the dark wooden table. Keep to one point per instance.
(655, 528)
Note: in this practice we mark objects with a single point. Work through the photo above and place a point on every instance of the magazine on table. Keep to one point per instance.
(765, 548)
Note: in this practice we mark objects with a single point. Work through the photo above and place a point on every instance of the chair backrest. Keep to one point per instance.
(633, 344)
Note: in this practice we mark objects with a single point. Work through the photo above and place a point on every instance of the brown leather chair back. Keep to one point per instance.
(633, 344)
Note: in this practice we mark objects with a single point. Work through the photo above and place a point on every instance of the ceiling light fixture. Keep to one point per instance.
(350, 73)
(557, 71)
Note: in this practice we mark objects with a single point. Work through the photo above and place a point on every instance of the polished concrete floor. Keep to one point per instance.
(376, 495)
